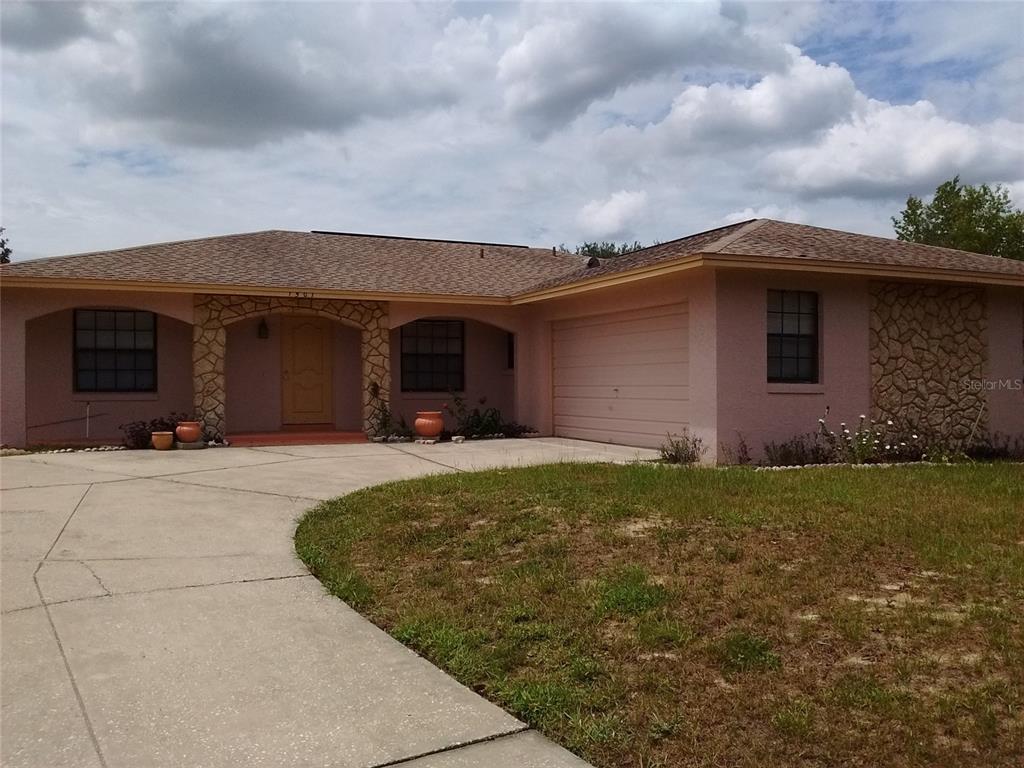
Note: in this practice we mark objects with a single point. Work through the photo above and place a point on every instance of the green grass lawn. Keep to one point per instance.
(657, 616)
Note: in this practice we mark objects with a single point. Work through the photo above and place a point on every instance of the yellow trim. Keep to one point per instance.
(243, 290)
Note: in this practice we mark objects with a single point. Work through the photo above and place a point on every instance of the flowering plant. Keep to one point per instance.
(871, 442)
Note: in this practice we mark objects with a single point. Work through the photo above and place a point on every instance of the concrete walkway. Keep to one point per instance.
(154, 614)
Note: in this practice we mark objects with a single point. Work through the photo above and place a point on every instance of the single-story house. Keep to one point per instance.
(749, 330)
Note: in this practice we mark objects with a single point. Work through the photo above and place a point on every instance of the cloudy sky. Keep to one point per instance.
(541, 124)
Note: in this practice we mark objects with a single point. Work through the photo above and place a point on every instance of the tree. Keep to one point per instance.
(971, 218)
(5, 250)
(604, 249)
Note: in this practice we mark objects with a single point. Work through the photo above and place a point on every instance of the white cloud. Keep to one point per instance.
(613, 216)
(793, 214)
(890, 149)
(565, 62)
(782, 106)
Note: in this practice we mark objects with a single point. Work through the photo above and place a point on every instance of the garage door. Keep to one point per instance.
(622, 377)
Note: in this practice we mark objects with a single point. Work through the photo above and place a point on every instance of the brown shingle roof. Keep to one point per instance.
(316, 261)
(769, 239)
(780, 239)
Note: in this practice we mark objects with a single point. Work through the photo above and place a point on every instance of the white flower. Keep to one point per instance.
(914, 437)
(888, 447)
(889, 422)
(862, 417)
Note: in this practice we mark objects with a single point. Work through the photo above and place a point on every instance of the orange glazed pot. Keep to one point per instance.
(429, 424)
(163, 441)
(188, 431)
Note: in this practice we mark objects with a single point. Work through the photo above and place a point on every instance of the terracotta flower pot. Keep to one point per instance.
(188, 431)
(429, 424)
(163, 441)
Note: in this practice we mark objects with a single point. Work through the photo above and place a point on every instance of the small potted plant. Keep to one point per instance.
(429, 424)
(188, 431)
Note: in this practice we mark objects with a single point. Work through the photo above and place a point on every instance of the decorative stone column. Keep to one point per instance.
(213, 313)
(929, 351)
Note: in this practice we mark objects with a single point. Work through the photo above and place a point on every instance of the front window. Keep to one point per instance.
(793, 336)
(432, 356)
(115, 350)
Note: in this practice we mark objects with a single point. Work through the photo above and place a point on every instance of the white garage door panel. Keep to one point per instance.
(662, 374)
(637, 327)
(622, 377)
(625, 315)
(631, 392)
(613, 408)
(644, 434)
(598, 344)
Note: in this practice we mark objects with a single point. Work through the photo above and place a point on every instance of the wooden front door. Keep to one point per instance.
(306, 347)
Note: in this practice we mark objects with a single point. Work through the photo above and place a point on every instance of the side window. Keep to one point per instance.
(793, 336)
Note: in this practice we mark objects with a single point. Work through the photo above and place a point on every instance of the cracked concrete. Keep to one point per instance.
(154, 614)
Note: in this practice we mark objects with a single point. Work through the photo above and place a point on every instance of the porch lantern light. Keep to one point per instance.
(263, 330)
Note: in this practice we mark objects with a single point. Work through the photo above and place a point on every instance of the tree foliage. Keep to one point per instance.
(5, 249)
(604, 249)
(978, 218)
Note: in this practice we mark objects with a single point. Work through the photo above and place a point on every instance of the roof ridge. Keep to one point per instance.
(681, 239)
(746, 229)
(420, 239)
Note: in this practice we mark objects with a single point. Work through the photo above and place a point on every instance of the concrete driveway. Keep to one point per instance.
(154, 614)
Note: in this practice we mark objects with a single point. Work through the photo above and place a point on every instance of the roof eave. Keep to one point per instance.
(906, 271)
(802, 264)
(14, 281)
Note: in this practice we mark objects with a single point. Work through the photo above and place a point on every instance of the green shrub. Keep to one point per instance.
(682, 449)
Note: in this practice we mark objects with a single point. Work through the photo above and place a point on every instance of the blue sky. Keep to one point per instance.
(544, 124)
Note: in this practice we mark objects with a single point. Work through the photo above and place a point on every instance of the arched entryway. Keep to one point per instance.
(215, 313)
(285, 371)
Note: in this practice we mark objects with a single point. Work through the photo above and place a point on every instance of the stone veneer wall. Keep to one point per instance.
(927, 343)
(213, 313)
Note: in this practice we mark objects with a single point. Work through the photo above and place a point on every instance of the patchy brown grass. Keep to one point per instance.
(655, 616)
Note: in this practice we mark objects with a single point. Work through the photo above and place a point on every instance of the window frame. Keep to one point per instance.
(461, 354)
(95, 350)
(781, 336)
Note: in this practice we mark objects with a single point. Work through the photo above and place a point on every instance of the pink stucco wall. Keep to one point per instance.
(1006, 360)
(252, 372)
(762, 412)
(35, 364)
(56, 413)
(487, 374)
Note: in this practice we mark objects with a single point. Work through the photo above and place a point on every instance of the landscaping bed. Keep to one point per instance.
(650, 616)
